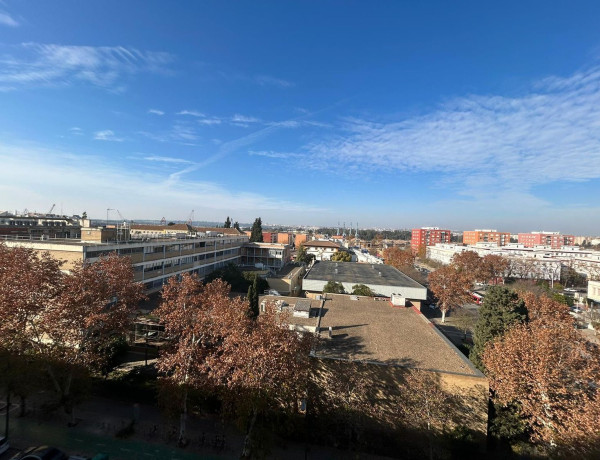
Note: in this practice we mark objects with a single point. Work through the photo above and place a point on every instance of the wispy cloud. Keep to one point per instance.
(37, 173)
(107, 135)
(156, 112)
(7, 20)
(162, 159)
(237, 118)
(272, 154)
(193, 113)
(76, 131)
(31, 64)
(484, 146)
(265, 80)
(181, 132)
(210, 121)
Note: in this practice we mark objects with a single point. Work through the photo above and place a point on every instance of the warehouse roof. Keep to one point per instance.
(352, 272)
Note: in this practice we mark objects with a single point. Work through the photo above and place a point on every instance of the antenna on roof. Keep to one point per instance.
(163, 221)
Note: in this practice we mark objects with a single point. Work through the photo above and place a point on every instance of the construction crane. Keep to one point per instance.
(190, 220)
(51, 209)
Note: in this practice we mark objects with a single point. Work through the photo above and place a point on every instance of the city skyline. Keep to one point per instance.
(400, 116)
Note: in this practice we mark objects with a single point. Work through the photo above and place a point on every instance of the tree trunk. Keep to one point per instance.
(443, 316)
(247, 450)
(182, 420)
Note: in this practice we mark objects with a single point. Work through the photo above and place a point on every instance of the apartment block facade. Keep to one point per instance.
(486, 236)
(154, 261)
(428, 236)
(552, 239)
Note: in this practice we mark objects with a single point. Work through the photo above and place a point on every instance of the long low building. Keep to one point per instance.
(154, 260)
(384, 280)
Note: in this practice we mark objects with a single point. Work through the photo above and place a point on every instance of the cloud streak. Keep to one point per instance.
(483, 145)
(107, 135)
(36, 173)
(7, 20)
(35, 64)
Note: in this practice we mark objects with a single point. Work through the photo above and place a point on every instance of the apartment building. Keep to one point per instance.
(154, 260)
(36, 225)
(553, 239)
(486, 236)
(272, 256)
(428, 236)
(322, 249)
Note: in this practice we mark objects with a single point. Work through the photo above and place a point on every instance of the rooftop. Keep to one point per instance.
(352, 272)
(375, 331)
(321, 244)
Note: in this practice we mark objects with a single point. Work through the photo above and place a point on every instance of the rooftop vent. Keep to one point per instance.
(379, 273)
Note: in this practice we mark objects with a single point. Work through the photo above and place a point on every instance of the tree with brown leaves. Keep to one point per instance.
(28, 284)
(97, 303)
(552, 372)
(450, 286)
(197, 319)
(399, 258)
(63, 320)
(264, 368)
(470, 263)
(493, 268)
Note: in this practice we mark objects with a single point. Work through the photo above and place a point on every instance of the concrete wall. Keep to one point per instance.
(384, 290)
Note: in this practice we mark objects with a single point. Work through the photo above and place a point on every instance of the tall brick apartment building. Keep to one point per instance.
(553, 239)
(428, 236)
(486, 236)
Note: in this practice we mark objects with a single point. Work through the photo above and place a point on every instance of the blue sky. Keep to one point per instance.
(391, 114)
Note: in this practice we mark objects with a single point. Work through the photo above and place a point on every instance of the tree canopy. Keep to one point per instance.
(362, 289)
(215, 345)
(342, 256)
(66, 321)
(399, 258)
(256, 235)
(450, 285)
(227, 223)
(552, 372)
(303, 256)
(334, 288)
(501, 309)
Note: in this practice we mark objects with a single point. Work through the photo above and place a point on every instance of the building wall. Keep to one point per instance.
(383, 290)
(284, 238)
(154, 261)
(428, 237)
(300, 238)
(593, 291)
(487, 236)
(270, 255)
(552, 239)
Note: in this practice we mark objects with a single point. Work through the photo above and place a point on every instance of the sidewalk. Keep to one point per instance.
(154, 438)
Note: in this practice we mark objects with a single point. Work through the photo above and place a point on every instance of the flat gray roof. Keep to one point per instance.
(352, 272)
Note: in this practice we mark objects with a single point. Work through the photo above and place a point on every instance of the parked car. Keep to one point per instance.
(41, 453)
(4, 446)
